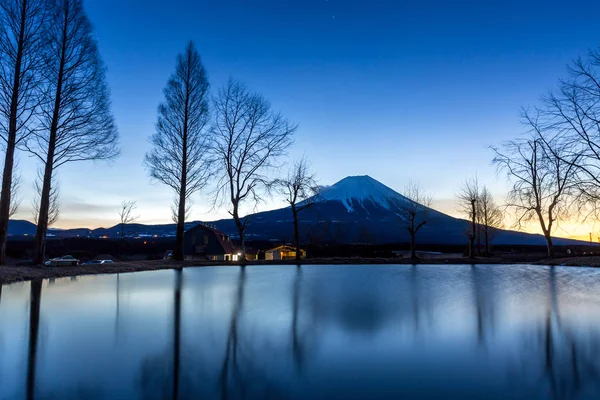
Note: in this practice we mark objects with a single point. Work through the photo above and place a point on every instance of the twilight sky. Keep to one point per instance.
(394, 89)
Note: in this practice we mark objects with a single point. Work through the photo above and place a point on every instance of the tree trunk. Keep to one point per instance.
(34, 326)
(479, 239)
(5, 197)
(413, 249)
(11, 142)
(296, 232)
(39, 249)
(240, 227)
(178, 253)
(549, 245)
(487, 240)
(473, 233)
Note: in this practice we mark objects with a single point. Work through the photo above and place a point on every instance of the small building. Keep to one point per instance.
(283, 253)
(204, 243)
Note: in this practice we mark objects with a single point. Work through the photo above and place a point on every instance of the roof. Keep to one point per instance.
(224, 240)
(284, 248)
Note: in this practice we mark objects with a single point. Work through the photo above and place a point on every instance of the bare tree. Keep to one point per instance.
(413, 210)
(21, 42)
(54, 208)
(249, 138)
(468, 197)
(76, 123)
(126, 214)
(179, 157)
(542, 183)
(490, 216)
(300, 191)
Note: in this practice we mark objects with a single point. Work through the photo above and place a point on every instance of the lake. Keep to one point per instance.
(310, 332)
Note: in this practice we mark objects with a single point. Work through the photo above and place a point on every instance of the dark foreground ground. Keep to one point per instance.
(12, 273)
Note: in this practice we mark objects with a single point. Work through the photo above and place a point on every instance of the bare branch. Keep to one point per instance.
(126, 214)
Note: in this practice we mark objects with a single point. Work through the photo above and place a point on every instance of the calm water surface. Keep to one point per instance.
(411, 332)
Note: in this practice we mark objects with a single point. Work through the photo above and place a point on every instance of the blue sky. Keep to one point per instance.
(397, 90)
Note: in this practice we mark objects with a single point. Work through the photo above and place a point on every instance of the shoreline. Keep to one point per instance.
(12, 274)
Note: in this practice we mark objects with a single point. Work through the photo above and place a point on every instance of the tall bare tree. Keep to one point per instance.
(54, 207)
(179, 157)
(542, 182)
(300, 191)
(127, 214)
(468, 197)
(414, 211)
(249, 138)
(22, 24)
(76, 123)
(489, 216)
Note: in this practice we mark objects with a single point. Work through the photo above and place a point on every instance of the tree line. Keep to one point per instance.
(54, 102)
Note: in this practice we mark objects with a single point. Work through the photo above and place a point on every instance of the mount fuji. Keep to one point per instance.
(357, 209)
(360, 209)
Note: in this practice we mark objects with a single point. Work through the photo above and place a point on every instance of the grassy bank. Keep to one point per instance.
(14, 273)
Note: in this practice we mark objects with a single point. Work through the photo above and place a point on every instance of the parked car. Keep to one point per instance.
(62, 261)
(92, 262)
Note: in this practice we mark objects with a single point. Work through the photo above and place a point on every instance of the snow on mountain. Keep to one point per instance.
(358, 190)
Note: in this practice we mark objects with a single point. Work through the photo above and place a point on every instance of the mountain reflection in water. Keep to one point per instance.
(415, 332)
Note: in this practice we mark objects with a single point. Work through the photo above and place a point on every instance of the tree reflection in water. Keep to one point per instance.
(297, 345)
(569, 367)
(34, 327)
(483, 298)
(160, 374)
(230, 370)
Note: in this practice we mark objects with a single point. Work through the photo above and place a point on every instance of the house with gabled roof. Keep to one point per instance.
(206, 243)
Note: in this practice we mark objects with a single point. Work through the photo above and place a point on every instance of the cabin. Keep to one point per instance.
(205, 243)
(283, 253)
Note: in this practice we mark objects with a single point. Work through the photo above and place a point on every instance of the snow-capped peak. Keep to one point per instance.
(360, 189)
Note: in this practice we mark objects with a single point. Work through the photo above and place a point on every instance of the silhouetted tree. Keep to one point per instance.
(178, 158)
(542, 182)
(468, 197)
(300, 191)
(76, 123)
(54, 208)
(249, 138)
(489, 216)
(413, 210)
(571, 116)
(126, 214)
(21, 42)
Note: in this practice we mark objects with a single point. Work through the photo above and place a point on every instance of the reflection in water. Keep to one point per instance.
(177, 332)
(297, 345)
(230, 369)
(421, 332)
(34, 327)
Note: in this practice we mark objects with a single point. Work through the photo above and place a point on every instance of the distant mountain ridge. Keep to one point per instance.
(357, 209)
